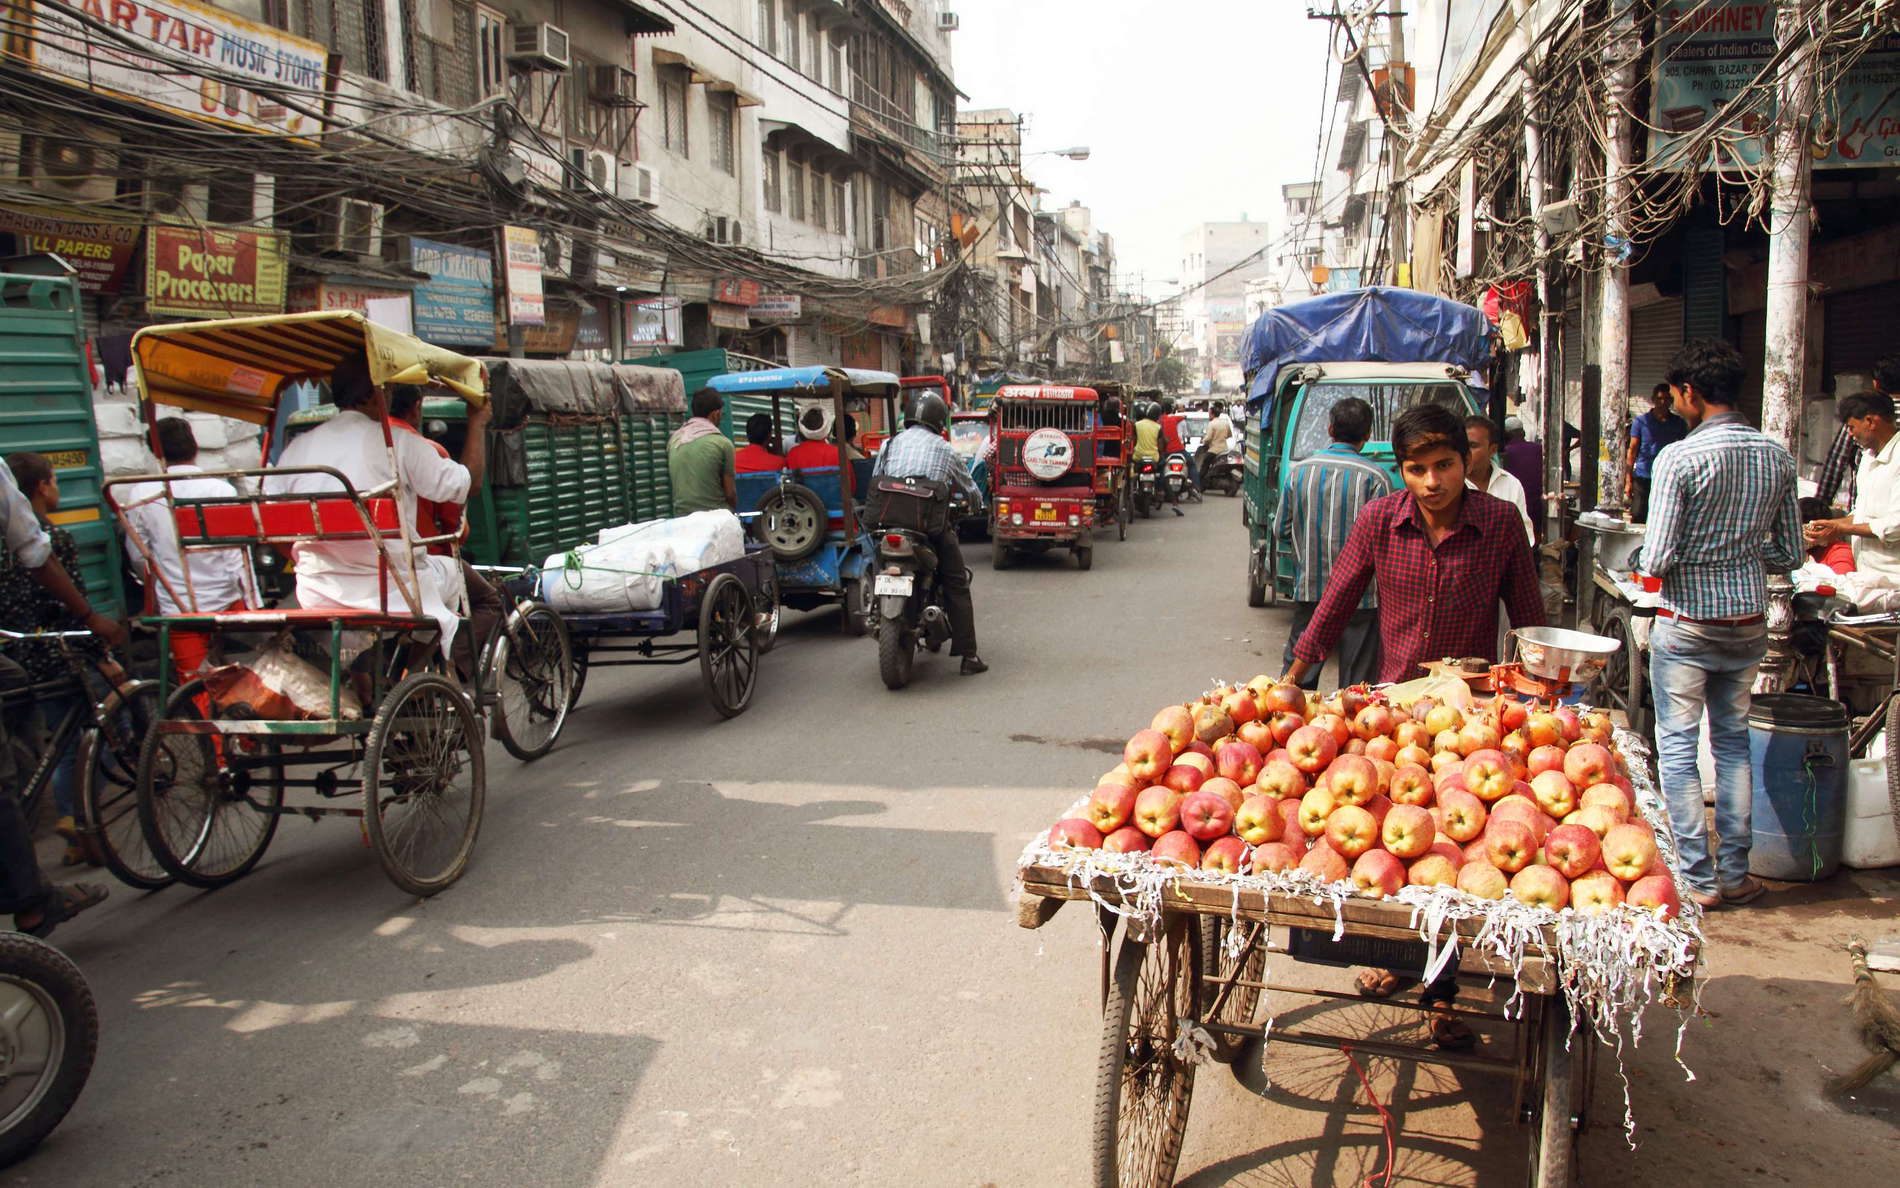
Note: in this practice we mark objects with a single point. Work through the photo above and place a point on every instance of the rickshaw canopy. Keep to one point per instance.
(1045, 392)
(805, 379)
(239, 367)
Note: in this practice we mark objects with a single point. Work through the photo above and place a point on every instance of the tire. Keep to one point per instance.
(580, 675)
(534, 681)
(793, 521)
(1553, 1158)
(1622, 682)
(206, 824)
(1256, 579)
(1124, 511)
(1143, 504)
(768, 613)
(1270, 571)
(859, 610)
(728, 655)
(1893, 762)
(1142, 1089)
(1084, 557)
(54, 1023)
(109, 789)
(424, 783)
(895, 652)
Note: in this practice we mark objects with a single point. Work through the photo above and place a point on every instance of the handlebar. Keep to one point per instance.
(5, 634)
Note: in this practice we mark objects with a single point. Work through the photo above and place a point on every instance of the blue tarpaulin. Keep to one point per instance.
(1376, 325)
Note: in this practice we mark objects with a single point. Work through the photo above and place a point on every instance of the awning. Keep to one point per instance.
(667, 57)
(780, 135)
(642, 20)
(746, 98)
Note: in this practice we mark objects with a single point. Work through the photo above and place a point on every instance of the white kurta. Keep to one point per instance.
(344, 573)
(1504, 485)
(218, 577)
(1877, 505)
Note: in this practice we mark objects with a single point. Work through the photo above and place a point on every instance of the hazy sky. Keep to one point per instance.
(1196, 110)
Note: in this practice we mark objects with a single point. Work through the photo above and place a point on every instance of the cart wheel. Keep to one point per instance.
(728, 656)
(109, 766)
(1084, 557)
(1893, 761)
(1142, 1087)
(1623, 682)
(1238, 1007)
(580, 674)
(1124, 511)
(859, 611)
(895, 652)
(207, 802)
(768, 613)
(1553, 1159)
(792, 521)
(424, 783)
(534, 672)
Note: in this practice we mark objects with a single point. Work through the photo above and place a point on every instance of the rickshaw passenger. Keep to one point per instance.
(343, 573)
(758, 455)
(817, 450)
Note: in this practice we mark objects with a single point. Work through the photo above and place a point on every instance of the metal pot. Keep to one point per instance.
(1558, 654)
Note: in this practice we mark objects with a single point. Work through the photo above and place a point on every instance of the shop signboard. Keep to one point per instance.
(383, 306)
(894, 316)
(1708, 54)
(653, 322)
(591, 335)
(727, 317)
(456, 305)
(522, 262)
(100, 251)
(554, 336)
(152, 52)
(210, 272)
(732, 291)
(777, 307)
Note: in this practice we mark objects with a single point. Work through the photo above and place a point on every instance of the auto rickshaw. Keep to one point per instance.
(970, 437)
(1043, 484)
(809, 516)
(1114, 457)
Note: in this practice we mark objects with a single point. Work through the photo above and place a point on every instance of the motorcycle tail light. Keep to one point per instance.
(893, 540)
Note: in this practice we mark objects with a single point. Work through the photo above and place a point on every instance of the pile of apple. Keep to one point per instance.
(1493, 800)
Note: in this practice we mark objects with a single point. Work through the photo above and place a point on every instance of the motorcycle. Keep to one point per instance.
(912, 611)
(1147, 486)
(1176, 478)
(1223, 473)
(47, 1044)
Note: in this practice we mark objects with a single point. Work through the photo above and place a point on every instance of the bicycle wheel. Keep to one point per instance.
(1143, 1086)
(108, 794)
(424, 783)
(534, 675)
(206, 814)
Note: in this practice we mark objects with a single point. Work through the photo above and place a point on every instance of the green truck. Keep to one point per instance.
(696, 367)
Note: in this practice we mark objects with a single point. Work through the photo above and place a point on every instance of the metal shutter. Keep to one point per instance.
(1655, 336)
(1862, 328)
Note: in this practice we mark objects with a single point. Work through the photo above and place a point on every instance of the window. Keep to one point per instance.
(792, 39)
(673, 110)
(814, 56)
(837, 66)
(926, 238)
(491, 55)
(837, 207)
(353, 28)
(721, 115)
(795, 190)
(768, 172)
(436, 69)
(768, 26)
(820, 199)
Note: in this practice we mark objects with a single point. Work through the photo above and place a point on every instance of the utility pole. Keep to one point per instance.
(1613, 328)
(1396, 109)
(1536, 379)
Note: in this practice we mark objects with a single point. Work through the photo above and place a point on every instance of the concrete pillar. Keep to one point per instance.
(1613, 328)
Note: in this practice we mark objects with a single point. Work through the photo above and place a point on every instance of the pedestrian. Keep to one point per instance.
(1649, 433)
(1722, 515)
(1323, 496)
(1839, 468)
(760, 454)
(1483, 474)
(1873, 526)
(1525, 460)
(699, 459)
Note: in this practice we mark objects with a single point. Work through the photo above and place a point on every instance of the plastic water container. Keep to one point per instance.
(1797, 745)
(1869, 840)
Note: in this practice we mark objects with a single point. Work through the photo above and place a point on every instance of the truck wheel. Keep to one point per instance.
(999, 555)
(1256, 580)
(1084, 556)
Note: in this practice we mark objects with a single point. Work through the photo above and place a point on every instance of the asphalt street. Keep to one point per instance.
(781, 950)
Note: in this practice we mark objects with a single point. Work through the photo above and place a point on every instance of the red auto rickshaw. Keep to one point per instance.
(1042, 484)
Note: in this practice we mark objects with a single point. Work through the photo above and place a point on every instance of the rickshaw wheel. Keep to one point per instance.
(1142, 1087)
(424, 783)
(769, 613)
(793, 521)
(205, 824)
(728, 655)
(1555, 1100)
(109, 767)
(1124, 511)
(534, 678)
(580, 675)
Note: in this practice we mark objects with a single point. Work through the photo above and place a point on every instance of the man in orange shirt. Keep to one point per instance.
(761, 451)
(817, 452)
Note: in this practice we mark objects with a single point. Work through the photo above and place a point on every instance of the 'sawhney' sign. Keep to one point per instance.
(208, 272)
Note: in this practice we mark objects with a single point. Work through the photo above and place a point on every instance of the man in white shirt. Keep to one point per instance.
(357, 443)
(205, 581)
(1483, 474)
(1874, 524)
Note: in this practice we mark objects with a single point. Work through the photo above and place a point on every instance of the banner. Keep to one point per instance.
(194, 272)
(727, 317)
(1709, 53)
(101, 251)
(385, 307)
(522, 260)
(68, 49)
(777, 307)
(592, 333)
(456, 306)
(732, 291)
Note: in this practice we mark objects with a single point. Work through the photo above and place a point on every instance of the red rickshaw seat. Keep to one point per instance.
(304, 518)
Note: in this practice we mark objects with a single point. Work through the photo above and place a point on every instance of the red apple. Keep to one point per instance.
(1110, 807)
(1177, 724)
(1338, 727)
(1482, 880)
(1449, 850)
(1450, 780)
(1148, 754)
(1589, 763)
(1197, 747)
(1411, 784)
(1488, 774)
(1283, 725)
(1611, 797)
(1545, 758)
(1463, 815)
(1280, 778)
(1569, 723)
(1256, 734)
(1433, 870)
(1378, 874)
(1572, 850)
(1381, 748)
(1257, 822)
(1509, 844)
(1408, 831)
(1541, 886)
(1373, 721)
(1512, 714)
(1127, 840)
(1184, 777)
(1075, 834)
(1238, 761)
(1275, 857)
(1312, 748)
(1599, 819)
(1206, 816)
(1379, 807)
(1228, 855)
(1284, 697)
(1595, 892)
(1239, 705)
(1628, 851)
(1290, 809)
(1315, 807)
(1351, 830)
(1158, 810)
(1118, 774)
(1522, 808)
(1176, 849)
(1353, 779)
(1477, 735)
(1325, 862)
(1555, 794)
(1655, 893)
(1227, 790)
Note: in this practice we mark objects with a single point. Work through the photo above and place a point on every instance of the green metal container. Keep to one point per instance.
(696, 367)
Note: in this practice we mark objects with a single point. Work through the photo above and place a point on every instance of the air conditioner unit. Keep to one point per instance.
(592, 171)
(355, 227)
(725, 229)
(73, 167)
(613, 86)
(171, 196)
(638, 183)
(539, 47)
(948, 22)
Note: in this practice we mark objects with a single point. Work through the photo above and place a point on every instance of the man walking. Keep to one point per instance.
(1874, 525)
(1649, 433)
(1722, 514)
(1324, 494)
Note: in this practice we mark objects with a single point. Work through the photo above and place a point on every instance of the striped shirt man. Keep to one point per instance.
(1323, 496)
(1721, 515)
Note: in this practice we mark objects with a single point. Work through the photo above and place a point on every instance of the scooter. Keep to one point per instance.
(1147, 486)
(47, 1044)
(1223, 473)
(912, 611)
(1175, 480)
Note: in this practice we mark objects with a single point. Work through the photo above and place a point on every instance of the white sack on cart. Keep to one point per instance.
(626, 570)
(698, 540)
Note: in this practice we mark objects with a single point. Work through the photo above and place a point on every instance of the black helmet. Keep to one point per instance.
(930, 410)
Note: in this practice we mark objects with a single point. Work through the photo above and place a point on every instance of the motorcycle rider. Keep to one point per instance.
(923, 450)
(1149, 439)
(1171, 421)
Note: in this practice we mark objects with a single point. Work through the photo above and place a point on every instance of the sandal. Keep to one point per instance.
(1451, 1034)
(1379, 983)
(62, 905)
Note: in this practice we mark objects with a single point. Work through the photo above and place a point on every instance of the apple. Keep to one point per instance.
(1512, 714)
(1256, 734)
(1386, 769)
(1610, 797)
(1433, 870)
(1176, 849)
(1450, 780)
(1353, 779)
(1148, 754)
(1239, 705)
(1655, 893)
(1127, 840)
(1315, 807)
(1228, 855)
(1184, 777)
(1569, 723)
(1373, 721)
(1335, 725)
(1325, 862)
(1284, 725)
(1211, 722)
(1572, 850)
(1110, 806)
(1177, 724)
(1443, 761)
(1283, 697)
(1118, 774)
(1351, 830)
(1158, 810)
(1411, 784)
(1541, 886)
(1449, 851)
(1199, 757)
(1280, 778)
(1312, 748)
(1378, 874)
(1555, 793)
(1414, 757)
(1238, 761)
(1477, 735)
(1482, 880)
(1509, 844)
(1595, 892)
(1290, 808)
(1488, 774)
(1598, 819)
(1382, 749)
(1274, 857)
(1075, 834)
(1354, 746)
(1257, 822)
(1441, 719)
(1408, 831)
(1227, 790)
(1517, 807)
(1197, 747)
(1545, 758)
(1380, 807)
(1462, 814)
(1206, 816)
(1589, 763)
(1628, 851)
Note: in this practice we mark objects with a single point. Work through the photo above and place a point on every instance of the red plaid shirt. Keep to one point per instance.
(1433, 602)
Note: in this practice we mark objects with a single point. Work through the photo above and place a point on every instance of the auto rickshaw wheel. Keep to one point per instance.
(769, 613)
(1084, 556)
(859, 612)
(793, 521)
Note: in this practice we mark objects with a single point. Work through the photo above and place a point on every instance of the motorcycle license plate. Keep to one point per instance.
(892, 583)
(1045, 513)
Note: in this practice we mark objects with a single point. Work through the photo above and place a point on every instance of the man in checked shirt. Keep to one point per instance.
(921, 451)
(1722, 514)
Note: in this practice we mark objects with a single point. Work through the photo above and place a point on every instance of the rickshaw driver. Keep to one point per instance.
(345, 573)
(921, 451)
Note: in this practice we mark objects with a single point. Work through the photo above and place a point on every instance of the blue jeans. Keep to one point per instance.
(1693, 666)
(64, 778)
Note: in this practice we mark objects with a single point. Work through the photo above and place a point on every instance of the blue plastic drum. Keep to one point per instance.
(1797, 745)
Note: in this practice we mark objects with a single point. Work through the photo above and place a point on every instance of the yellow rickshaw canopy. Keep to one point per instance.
(238, 367)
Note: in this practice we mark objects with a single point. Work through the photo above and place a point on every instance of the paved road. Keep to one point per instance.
(776, 950)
